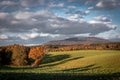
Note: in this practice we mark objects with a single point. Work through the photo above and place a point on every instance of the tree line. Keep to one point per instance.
(20, 55)
(98, 46)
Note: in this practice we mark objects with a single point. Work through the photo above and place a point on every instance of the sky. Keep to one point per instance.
(33, 22)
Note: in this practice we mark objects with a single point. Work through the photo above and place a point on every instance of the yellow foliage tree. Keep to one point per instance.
(36, 54)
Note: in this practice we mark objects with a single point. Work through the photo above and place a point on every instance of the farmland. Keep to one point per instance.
(71, 65)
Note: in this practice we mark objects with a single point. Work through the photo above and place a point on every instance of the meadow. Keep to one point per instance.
(69, 65)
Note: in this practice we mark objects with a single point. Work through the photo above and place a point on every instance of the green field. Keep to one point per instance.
(69, 65)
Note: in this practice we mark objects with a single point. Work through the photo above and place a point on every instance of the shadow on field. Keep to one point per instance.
(89, 67)
(49, 58)
(5, 67)
(57, 76)
(59, 59)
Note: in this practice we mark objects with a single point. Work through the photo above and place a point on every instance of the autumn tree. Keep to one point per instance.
(37, 55)
(19, 55)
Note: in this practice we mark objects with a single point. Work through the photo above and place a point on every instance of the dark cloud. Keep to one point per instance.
(31, 3)
(46, 22)
(84, 27)
(9, 6)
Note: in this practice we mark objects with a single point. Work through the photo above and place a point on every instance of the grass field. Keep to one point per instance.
(69, 65)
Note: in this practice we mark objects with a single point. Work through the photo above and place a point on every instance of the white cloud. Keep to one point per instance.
(75, 17)
(49, 35)
(52, 5)
(100, 4)
(23, 15)
(27, 36)
(87, 11)
(94, 22)
(103, 18)
(31, 44)
(3, 36)
(109, 25)
(32, 15)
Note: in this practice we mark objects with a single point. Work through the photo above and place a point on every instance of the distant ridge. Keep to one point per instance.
(78, 40)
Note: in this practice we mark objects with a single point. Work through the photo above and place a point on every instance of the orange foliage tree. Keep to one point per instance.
(36, 54)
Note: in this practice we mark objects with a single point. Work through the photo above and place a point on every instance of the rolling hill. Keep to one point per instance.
(69, 65)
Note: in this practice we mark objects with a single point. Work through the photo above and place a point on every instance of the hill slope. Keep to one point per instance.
(78, 40)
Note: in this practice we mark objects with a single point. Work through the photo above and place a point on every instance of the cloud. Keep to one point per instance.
(23, 15)
(53, 5)
(3, 15)
(3, 36)
(47, 22)
(100, 4)
(71, 7)
(103, 18)
(112, 34)
(40, 26)
(108, 4)
(8, 3)
(90, 8)
(31, 3)
(9, 6)
(85, 2)
(82, 12)
(84, 27)
(36, 21)
(27, 36)
(87, 11)
(76, 15)
(49, 35)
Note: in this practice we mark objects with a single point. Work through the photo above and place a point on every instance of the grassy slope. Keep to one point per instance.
(89, 61)
(84, 62)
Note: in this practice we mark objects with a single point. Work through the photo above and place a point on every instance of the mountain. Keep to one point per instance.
(78, 40)
(115, 40)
